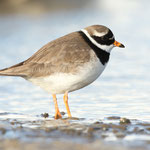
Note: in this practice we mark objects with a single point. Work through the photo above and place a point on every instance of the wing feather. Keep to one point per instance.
(61, 55)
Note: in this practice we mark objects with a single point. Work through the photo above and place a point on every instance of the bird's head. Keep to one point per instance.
(102, 37)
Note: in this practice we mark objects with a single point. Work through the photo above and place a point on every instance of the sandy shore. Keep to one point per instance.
(61, 145)
(114, 133)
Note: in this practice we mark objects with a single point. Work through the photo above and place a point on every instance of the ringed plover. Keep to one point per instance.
(68, 63)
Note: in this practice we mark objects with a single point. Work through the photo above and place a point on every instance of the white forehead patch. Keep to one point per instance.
(99, 34)
(106, 48)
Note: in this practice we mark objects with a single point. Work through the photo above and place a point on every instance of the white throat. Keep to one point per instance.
(103, 47)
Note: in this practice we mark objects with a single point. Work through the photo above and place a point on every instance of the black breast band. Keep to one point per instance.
(101, 54)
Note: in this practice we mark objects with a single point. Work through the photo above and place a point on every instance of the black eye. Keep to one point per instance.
(105, 38)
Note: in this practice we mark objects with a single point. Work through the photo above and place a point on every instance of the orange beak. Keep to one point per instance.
(118, 44)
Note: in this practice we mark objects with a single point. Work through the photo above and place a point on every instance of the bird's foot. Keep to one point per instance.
(58, 116)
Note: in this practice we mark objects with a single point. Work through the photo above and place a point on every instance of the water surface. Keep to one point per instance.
(123, 88)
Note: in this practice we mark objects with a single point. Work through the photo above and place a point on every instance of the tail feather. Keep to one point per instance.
(12, 71)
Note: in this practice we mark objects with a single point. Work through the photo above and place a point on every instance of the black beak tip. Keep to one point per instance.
(122, 46)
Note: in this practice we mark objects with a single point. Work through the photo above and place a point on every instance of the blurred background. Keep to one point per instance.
(123, 89)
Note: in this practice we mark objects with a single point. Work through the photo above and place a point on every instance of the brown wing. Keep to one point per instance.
(61, 55)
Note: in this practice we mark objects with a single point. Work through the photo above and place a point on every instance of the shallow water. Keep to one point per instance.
(123, 88)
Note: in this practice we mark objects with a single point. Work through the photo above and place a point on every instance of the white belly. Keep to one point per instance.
(59, 83)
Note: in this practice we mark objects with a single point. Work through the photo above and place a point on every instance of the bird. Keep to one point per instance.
(68, 63)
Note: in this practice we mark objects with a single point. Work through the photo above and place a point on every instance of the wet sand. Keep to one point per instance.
(56, 145)
(73, 133)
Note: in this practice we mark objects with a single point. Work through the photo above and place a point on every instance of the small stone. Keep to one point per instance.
(98, 122)
(113, 118)
(12, 123)
(148, 129)
(125, 121)
(90, 130)
(118, 127)
(45, 115)
(105, 127)
(104, 136)
(63, 113)
(120, 135)
(3, 130)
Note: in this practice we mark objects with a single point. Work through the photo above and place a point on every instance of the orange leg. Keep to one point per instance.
(57, 112)
(66, 104)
